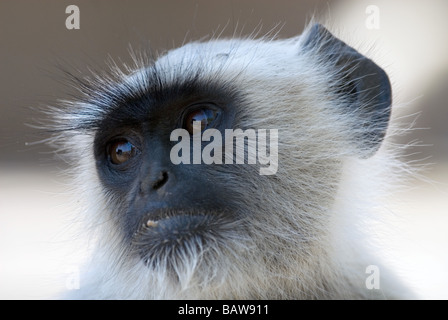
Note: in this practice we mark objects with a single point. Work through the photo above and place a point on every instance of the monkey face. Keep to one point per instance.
(165, 209)
(200, 220)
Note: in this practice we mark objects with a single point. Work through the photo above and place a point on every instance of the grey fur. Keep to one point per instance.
(302, 233)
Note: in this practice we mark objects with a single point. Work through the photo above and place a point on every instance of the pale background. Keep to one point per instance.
(37, 254)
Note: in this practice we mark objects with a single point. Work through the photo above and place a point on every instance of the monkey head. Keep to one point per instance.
(222, 230)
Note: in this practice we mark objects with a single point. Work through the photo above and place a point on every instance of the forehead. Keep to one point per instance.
(224, 57)
(193, 72)
(172, 82)
(209, 69)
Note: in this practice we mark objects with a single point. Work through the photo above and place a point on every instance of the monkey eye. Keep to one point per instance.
(206, 116)
(121, 151)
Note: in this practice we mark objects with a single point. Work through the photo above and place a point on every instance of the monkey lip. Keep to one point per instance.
(169, 234)
(166, 227)
(177, 226)
(170, 219)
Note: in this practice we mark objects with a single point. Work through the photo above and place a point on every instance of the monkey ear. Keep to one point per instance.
(362, 85)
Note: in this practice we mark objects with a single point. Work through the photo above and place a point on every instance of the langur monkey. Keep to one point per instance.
(167, 230)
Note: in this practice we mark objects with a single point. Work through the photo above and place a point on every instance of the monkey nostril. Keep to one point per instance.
(163, 178)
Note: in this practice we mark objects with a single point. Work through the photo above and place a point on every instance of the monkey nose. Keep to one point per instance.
(154, 182)
(160, 181)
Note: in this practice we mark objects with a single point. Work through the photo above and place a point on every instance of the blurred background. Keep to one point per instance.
(407, 38)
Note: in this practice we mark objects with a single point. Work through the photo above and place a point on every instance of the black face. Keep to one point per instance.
(160, 206)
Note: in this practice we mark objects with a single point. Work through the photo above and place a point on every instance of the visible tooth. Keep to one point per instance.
(151, 223)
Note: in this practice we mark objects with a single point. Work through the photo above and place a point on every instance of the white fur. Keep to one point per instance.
(310, 224)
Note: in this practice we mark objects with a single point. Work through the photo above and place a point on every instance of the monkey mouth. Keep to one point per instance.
(175, 229)
(169, 236)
